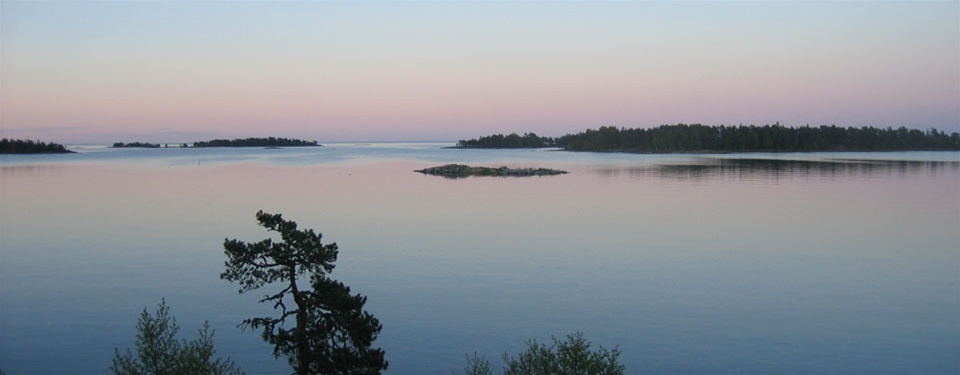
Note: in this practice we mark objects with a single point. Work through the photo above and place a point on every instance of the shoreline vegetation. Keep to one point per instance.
(461, 171)
(697, 138)
(257, 142)
(26, 146)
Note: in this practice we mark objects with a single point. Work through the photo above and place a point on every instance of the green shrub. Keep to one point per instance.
(160, 353)
(570, 357)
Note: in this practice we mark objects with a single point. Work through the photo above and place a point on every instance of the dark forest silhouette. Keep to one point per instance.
(256, 142)
(18, 146)
(703, 138)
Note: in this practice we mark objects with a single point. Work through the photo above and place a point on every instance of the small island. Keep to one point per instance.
(135, 145)
(460, 170)
(18, 146)
(257, 142)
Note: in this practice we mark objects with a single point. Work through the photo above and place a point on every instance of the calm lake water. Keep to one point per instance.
(826, 263)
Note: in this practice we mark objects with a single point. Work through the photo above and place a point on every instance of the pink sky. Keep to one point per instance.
(99, 72)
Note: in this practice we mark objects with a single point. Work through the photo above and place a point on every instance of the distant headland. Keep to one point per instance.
(18, 146)
(702, 138)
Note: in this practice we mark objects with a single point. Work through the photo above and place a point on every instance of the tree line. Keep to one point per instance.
(21, 146)
(513, 140)
(256, 142)
(752, 138)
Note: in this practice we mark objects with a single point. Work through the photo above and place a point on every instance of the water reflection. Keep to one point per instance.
(727, 274)
(28, 169)
(775, 169)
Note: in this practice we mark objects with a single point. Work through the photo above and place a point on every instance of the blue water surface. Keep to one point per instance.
(819, 263)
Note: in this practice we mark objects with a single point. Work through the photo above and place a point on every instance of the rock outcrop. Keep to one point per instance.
(460, 170)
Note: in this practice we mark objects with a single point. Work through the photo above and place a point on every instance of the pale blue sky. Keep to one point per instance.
(179, 71)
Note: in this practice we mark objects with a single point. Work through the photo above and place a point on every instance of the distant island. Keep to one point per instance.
(257, 142)
(270, 142)
(460, 170)
(135, 145)
(146, 145)
(17, 146)
(702, 138)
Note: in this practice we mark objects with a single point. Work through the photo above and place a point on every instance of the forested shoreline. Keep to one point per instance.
(256, 142)
(513, 140)
(26, 146)
(752, 138)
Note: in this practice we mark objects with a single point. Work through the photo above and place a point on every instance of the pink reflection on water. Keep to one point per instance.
(616, 235)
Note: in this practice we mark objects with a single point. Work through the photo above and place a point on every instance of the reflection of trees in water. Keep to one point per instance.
(28, 169)
(758, 169)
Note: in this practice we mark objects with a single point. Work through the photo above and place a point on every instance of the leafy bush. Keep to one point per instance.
(159, 352)
(570, 357)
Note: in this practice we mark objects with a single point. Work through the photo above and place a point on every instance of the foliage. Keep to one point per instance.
(332, 333)
(514, 140)
(18, 146)
(570, 357)
(477, 365)
(159, 352)
(255, 142)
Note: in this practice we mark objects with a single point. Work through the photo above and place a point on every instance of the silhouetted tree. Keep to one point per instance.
(331, 334)
(159, 352)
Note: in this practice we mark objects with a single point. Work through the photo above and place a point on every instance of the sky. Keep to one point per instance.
(79, 72)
